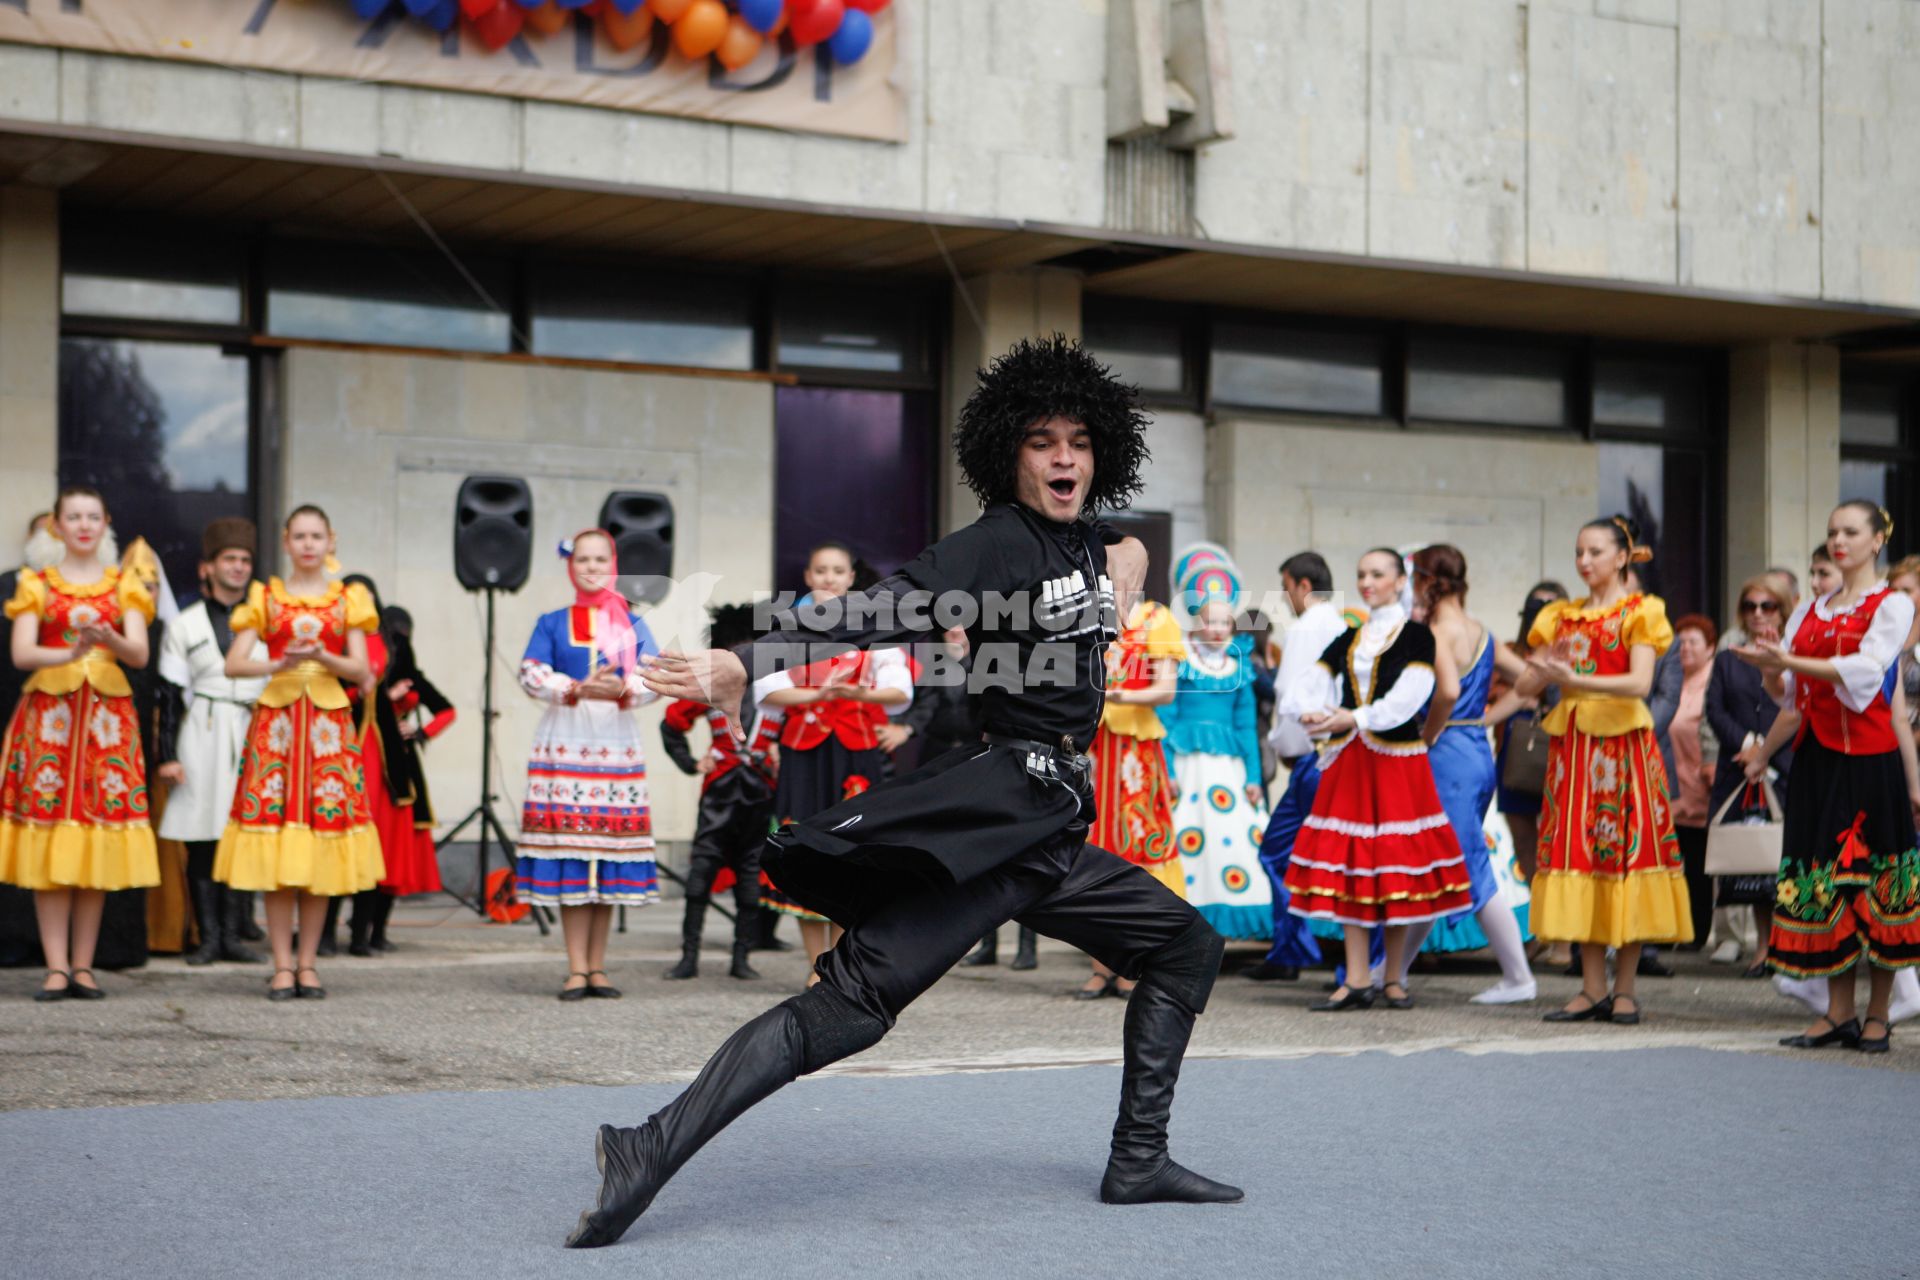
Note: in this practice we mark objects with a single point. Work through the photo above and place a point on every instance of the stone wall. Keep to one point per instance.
(1512, 504)
(382, 443)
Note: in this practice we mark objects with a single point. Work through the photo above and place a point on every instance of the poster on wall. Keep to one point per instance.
(811, 66)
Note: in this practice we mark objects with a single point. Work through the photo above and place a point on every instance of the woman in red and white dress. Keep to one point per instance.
(1378, 848)
(1849, 884)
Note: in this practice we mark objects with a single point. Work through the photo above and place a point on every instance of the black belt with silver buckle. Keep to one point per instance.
(1063, 749)
(1057, 761)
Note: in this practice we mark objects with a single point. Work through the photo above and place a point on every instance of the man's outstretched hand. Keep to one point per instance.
(1127, 568)
(714, 677)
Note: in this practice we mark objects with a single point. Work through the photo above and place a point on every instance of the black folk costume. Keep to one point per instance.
(919, 867)
(736, 811)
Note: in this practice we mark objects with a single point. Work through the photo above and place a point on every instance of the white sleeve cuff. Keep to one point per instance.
(1399, 704)
(770, 684)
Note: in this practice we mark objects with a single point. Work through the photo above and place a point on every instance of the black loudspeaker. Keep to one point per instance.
(493, 533)
(642, 528)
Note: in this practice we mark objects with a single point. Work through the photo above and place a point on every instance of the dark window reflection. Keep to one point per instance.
(1145, 352)
(1665, 491)
(343, 293)
(823, 328)
(1484, 381)
(1869, 412)
(642, 316)
(853, 467)
(1297, 369)
(1650, 395)
(161, 429)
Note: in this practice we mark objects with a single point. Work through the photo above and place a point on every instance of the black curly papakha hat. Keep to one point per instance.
(1036, 380)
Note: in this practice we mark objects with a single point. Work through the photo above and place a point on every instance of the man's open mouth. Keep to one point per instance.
(1063, 489)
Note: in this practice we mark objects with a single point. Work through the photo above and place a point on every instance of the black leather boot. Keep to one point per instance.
(740, 968)
(1168, 997)
(988, 952)
(787, 1041)
(382, 912)
(1023, 955)
(206, 913)
(691, 926)
(233, 905)
(243, 926)
(360, 924)
(329, 944)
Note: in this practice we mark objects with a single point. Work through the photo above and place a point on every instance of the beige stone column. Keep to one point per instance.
(29, 359)
(990, 313)
(1783, 455)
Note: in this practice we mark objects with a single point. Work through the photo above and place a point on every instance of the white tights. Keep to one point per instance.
(1503, 936)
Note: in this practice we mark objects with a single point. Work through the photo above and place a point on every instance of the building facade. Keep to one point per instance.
(1387, 271)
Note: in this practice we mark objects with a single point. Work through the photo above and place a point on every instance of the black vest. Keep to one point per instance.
(1413, 647)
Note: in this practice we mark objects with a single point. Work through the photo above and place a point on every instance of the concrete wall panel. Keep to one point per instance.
(382, 442)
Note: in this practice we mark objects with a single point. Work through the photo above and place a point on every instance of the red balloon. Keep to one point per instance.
(868, 6)
(498, 27)
(816, 21)
(478, 9)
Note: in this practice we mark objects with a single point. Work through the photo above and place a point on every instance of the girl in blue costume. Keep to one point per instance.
(1213, 752)
(1463, 772)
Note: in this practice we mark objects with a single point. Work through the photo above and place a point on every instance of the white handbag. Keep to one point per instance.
(1749, 848)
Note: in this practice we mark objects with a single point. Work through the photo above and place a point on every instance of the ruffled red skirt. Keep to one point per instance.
(1377, 848)
(413, 864)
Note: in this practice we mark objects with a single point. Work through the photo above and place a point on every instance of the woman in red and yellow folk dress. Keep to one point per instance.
(73, 800)
(1849, 885)
(301, 828)
(1133, 793)
(1610, 872)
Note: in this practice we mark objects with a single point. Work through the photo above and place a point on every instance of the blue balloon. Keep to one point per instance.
(421, 8)
(850, 43)
(626, 7)
(370, 9)
(575, 4)
(529, 4)
(443, 15)
(761, 15)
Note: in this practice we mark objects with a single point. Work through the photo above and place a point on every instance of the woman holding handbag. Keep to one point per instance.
(1849, 885)
(1741, 715)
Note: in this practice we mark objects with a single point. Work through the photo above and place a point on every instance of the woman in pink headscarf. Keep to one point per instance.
(586, 837)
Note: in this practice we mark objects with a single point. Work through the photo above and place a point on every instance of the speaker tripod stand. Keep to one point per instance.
(482, 813)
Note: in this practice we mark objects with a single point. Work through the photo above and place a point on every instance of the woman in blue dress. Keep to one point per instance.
(1213, 753)
(586, 833)
(1464, 773)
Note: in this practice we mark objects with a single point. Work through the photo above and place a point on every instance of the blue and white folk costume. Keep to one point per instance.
(586, 831)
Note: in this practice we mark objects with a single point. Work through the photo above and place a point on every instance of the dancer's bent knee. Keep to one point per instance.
(832, 1027)
(1186, 966)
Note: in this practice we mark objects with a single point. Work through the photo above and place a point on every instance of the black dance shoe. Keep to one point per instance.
(277, 994)
(1846, 1034)
(1652, 966)
(570, 994)
(77, 992)
(740, 968)
(1596, 1011)
(47, 995)
(600, 990)
(988, 952)
(1024, 955)
(689, 966)
(1264, 972)
(305, 992)
(1881, 1043)
(1628, 1018)
(1106, 988)
(629, 1160)
(1356, 998)
(1170, 1183)
(1402, 1001)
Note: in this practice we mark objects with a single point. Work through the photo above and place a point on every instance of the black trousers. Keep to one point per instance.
(731, 832)
(1066, 889)
(1693, 860)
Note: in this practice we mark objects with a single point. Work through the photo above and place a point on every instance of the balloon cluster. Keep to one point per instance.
(729, 31)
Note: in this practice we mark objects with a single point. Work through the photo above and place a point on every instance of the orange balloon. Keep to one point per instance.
(741, 46)
(626, 30)
(669, 11)
(549, 19)
(700, 29)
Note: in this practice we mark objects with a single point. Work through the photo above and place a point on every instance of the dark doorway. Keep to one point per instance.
(853, 467)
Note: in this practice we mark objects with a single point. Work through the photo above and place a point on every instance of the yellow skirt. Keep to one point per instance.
(74, 855)
(328, 863)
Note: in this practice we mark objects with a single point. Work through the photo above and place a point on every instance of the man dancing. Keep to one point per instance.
(918, 869)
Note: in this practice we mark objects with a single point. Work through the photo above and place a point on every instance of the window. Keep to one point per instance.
(1649, 395)
(871, 333)
(1486, 381)
(162, 430)
(1880, 444)
(643, 316)
(347, 293)
(140, 278)
(1149, 352)
(1303, 370)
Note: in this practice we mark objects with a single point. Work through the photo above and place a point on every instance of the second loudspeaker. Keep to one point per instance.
(641, 523)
